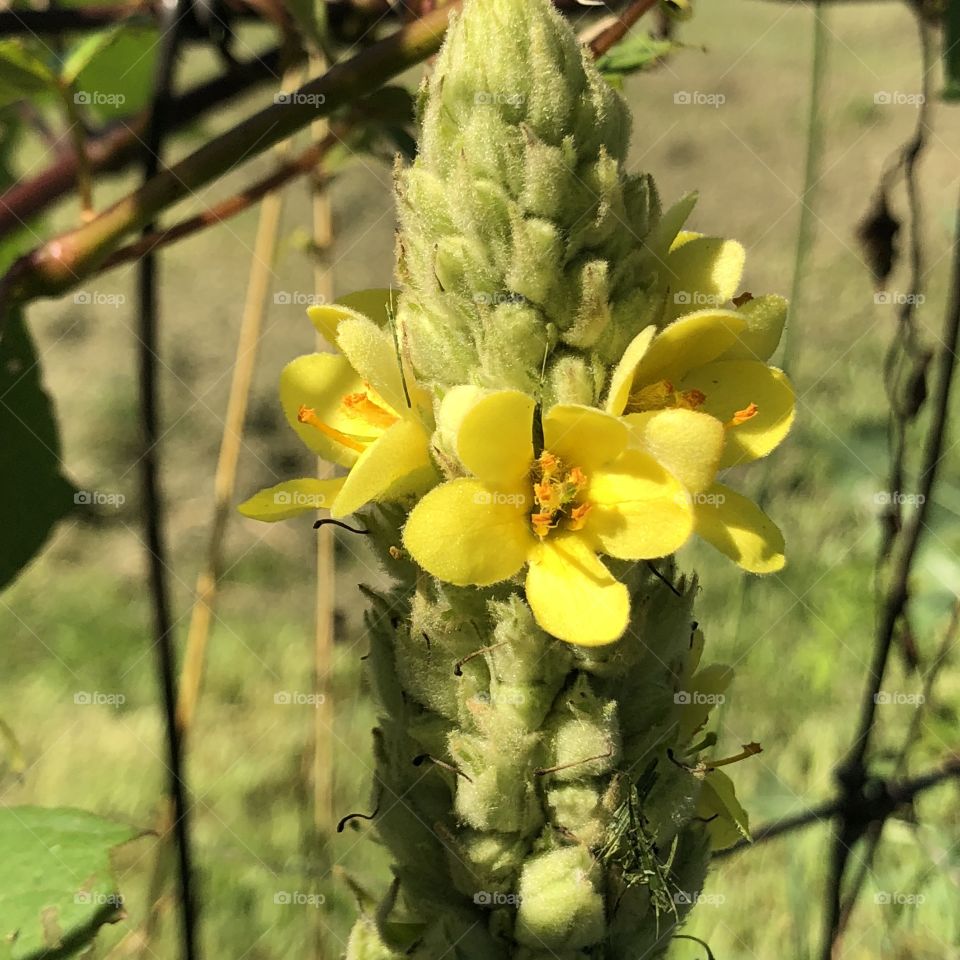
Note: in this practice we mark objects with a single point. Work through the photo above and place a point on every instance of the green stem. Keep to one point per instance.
(79, 140)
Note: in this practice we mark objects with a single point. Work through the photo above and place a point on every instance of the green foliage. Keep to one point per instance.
(636, 52)
(34, 494)
(22, 73)
(56, 887)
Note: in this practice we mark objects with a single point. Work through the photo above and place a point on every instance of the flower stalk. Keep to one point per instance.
(529, 430)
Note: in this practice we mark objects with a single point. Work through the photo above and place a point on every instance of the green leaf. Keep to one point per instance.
(119, 77)
(728, 822)
(22, 73)
(56, 885)
(637, 51)
(33, 492)
(87, 50)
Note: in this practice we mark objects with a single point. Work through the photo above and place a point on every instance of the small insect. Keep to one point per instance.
(634, 850)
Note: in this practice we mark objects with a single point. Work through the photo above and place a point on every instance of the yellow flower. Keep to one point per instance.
(355, 410)
(552, 510)
(694, 400)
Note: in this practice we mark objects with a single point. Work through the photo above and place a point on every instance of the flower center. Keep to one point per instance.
(556, 493)
(358, 406)
(662, 396)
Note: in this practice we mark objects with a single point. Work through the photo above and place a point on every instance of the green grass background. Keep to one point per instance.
(77, 621)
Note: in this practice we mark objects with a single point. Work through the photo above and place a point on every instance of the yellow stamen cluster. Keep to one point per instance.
(555, 491)
(742, 416)
(362, 407)
(663, 396)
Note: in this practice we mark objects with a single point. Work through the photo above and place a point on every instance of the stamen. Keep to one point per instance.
(691, 399)
(361, 406)
(542, 524)
(742, 416)
(578, 516)
(308, 416)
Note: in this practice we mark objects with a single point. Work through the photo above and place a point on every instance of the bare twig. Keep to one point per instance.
(888, 796)
(61, 262)
(613, 34)
(152, 496)
(900, 539)
(118, 147)
(303, 163)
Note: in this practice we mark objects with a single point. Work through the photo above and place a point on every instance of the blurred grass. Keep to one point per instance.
(76, 622)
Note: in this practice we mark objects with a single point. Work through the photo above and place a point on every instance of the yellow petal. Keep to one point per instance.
(372, 352)
(321, 381)
(690, 342)
(396, 464)
(703, 272)
(639, 511)
(291, 498)
(622, 379)
(765, 318)
(738, 528)
(495, 435)
(466, 532)
(572, 594)
(583, 436)
(688, 443)
(732, 385)
(375, 305)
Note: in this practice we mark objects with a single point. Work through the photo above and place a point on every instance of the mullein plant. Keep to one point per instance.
(529, 429)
